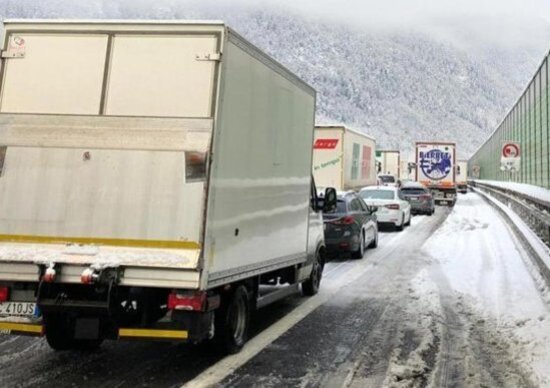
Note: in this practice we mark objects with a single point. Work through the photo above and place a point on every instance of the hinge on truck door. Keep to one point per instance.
(16, 48)
(209, 57)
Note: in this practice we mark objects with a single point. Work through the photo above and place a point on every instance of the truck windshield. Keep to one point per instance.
(377, 194)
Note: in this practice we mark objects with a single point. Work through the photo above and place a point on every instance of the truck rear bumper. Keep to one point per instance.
(19, 328)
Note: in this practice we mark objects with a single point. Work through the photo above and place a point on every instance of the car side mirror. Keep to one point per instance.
(330, 199)
(373, 209)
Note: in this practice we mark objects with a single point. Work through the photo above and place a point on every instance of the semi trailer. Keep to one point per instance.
(462, 176)
(155, 183)
(388, 162)
(435, 169)
(343, 158)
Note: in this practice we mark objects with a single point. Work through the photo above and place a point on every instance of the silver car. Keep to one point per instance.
(419, 197)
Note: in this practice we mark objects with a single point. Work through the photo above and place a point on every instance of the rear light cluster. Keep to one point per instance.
(347, 220)
(192, 301)
(425, 197)
(393, 206)
(187, 301)
(4, 294)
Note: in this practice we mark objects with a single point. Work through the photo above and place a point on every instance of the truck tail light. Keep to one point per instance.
(49, 275)
(393, 206)
(89, 276)
(4, 294)
(347, 220)
(195, 301)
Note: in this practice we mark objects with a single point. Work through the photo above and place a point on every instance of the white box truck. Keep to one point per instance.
(462, 176)
(388, 164)
(343, 158)
(435, 169)
(156, 176)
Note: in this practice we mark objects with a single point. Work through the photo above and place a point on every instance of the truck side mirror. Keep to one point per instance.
(330, 199)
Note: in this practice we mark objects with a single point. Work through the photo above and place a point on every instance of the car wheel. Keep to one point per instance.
(409, 221)
(401, 225)
(374, 242)
(358, 254)
(231, 322)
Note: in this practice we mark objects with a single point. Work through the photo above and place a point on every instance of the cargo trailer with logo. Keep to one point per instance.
(343, 158)
(435, 169)
(156, 176)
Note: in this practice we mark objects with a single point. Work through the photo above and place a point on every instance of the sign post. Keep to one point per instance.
(511, 156)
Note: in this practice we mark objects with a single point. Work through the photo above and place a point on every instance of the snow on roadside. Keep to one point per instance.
(480, 259)
(532, 191)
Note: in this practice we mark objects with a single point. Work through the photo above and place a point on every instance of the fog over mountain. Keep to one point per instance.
(402, 71)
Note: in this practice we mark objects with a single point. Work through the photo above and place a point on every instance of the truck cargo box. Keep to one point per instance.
(343, 158)
(176, 151)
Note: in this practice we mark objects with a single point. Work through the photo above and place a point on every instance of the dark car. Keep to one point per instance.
(419, 197)
(351, 227)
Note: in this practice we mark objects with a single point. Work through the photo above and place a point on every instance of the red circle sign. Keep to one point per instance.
(510, 150)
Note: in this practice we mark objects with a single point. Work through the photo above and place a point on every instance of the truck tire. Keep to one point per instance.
(60, 335)
(232, 320)
(311, 286)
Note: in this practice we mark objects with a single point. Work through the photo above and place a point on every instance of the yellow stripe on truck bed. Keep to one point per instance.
(152, 333)
(167, 244)
(21, 328)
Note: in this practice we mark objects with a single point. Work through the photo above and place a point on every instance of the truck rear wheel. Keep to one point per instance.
(311, 286)
(60, 335)
(232, 321)
(58, 332)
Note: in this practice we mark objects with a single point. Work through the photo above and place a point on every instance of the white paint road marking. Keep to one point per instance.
(223, 368)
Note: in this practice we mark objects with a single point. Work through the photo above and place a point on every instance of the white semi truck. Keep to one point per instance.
(156, 177)
(343, 158)
(435, 169)
(462, 176)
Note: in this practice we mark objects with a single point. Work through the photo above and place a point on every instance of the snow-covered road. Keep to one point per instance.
(452, 301)
(448, 303)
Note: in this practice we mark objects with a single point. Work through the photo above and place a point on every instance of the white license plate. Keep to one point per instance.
(443, 202)
(414, 198)
(21, 309)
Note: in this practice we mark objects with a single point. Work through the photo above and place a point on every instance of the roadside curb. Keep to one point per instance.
(530, 241)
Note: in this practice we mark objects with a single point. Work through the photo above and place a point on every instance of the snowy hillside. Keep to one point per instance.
(397, 86)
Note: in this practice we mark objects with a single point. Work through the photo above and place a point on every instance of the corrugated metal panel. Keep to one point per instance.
(526, 123)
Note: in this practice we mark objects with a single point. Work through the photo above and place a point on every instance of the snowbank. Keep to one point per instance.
(536, 192)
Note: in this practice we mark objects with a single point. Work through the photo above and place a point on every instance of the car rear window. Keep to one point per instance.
(413, 191)
(386, 179)
(340, 207)
(377, 194)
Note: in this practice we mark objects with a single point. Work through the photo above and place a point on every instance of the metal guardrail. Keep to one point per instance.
(534, 212)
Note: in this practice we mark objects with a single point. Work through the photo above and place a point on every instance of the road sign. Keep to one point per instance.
(510, 159)
(510, 150)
